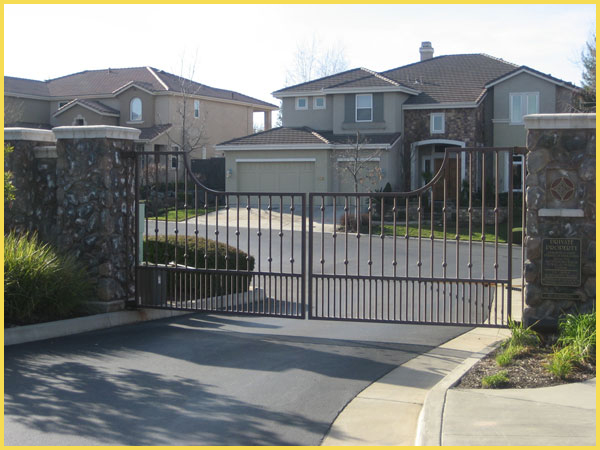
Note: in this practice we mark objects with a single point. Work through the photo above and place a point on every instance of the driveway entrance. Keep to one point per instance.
(200, 379)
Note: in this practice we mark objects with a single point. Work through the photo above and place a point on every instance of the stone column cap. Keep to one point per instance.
(96, 132)
(28, 134)
(560, 121)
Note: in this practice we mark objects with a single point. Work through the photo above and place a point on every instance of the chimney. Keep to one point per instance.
(426, 50)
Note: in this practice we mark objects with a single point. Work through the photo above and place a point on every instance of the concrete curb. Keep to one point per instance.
(48, 330)
(429, 425)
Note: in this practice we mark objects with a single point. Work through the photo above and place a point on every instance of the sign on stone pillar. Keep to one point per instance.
(560, 271)
(96, 206)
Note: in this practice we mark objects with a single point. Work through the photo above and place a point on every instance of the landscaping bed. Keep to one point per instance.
(530, 360)
(527, 371)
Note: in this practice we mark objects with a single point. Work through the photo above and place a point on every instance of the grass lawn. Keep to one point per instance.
(438, 232)
(172, 216)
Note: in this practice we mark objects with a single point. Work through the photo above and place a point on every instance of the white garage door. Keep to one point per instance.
(276, 176)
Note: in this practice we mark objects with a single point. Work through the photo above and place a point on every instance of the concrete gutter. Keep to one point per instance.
(49, 330)
(388, 412)
(429, 425)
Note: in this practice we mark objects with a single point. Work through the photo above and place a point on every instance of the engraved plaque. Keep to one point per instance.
(561, 262)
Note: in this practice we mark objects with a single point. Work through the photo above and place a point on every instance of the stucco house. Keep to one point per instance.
(407, 115)
(140, 97)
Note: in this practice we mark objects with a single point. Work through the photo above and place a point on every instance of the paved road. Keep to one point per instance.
(200, 380)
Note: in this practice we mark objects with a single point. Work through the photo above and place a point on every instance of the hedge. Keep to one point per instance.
(167, 250)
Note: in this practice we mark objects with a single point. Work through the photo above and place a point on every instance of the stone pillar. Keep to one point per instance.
(33, 165)
(96, 206)
(560, 270)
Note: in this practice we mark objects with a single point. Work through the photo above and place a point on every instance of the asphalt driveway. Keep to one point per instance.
(200, 380)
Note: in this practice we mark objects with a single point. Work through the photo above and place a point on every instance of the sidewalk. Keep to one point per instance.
(415, 405)
(557, 415)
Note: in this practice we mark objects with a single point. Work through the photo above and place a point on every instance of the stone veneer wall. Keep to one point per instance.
(560, 145)
(461, 124)
(33, 165)
(92, 209)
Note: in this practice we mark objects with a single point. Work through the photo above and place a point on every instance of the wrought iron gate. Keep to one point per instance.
(441, 254)
(207, 250)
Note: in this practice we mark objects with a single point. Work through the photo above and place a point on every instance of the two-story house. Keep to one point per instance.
(164, 106)
(406, 115)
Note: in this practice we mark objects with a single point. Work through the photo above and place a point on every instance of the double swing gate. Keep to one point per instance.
(442, 254)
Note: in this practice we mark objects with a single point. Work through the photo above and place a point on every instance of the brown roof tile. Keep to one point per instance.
(308, 136)
(150, 133)
(107, 81)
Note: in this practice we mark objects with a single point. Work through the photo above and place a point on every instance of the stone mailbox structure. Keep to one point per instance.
(560, 270)
(76, 188)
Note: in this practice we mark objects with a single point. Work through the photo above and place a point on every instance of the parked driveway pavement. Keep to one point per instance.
(200, 380)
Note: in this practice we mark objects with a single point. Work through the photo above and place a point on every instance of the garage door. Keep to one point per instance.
(277, 176)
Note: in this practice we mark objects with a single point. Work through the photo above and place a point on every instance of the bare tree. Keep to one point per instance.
(189, 111)
(358, 163)
(588, 60)
(313, 60)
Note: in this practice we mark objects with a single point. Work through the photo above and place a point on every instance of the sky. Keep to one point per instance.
(249, 48)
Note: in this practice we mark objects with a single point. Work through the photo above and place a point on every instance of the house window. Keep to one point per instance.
(364, 107)
(523, 103)
(135, 110)
(196, 108)
(438, 123)
(319, 103)
(301, 103)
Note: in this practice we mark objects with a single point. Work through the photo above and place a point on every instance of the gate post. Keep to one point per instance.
(95, 178)
(560, 270)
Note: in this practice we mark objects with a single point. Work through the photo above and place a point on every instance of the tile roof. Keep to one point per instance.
(450, 78)
(100, 107)
(328, 82)
(107, 81)
(92, 104)
(24, 86)
(443, 79)
(308, 136)
(151, 133)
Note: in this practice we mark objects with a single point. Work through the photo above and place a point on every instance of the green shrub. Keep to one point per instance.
(40, 284)
(561, 362)
(507, 356)
(165, 250)
(521, 336)
(496, 380)
(578, 332)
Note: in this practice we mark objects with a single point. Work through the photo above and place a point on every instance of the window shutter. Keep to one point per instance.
(378, 107)
(349, 108)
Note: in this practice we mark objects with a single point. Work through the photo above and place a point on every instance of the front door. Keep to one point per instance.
(451, 179)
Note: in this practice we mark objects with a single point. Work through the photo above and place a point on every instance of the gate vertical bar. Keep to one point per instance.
(509, 227)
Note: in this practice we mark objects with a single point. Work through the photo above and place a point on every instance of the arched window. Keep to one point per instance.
(135, 110)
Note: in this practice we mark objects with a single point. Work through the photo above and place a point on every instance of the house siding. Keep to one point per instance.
(26, 110)
(147, 108)
(318, 119)
(505, 133)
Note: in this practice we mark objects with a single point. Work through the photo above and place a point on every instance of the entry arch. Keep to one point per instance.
(415, 158)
